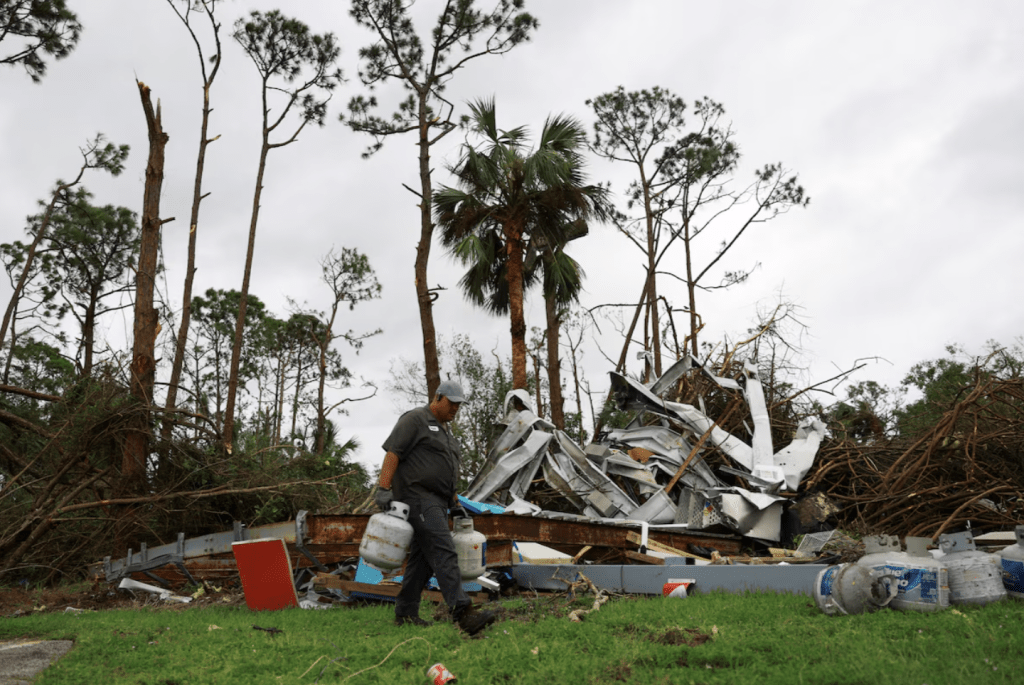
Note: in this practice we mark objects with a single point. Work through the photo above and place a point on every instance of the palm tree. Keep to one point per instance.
(508, 195)
(563, 281)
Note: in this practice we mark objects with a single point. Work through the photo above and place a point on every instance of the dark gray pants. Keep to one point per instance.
(432, 553)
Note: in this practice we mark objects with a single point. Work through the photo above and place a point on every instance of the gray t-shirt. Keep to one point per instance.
(428, 457)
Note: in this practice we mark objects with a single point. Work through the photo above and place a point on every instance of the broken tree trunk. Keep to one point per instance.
(143, 366)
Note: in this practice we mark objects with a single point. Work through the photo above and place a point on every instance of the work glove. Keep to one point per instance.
(382, 498)
(459, 512)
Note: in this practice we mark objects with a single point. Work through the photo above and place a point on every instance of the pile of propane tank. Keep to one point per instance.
(388, 537)
(917, 580)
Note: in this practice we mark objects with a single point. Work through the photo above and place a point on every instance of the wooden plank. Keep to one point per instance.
(579, 555)
(767, 561)
(644, 558)
(635, 538)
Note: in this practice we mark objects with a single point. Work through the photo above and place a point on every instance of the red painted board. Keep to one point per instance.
(266, 574)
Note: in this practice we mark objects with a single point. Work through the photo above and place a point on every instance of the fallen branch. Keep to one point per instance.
(195, 494)
(370, 668)
(29, 393)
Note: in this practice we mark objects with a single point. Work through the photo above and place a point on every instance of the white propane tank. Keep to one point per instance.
(880, 548)
(387, 538)
(471, 547)
(923, 581)
(975, 577)
(852, 589)
(1012, 560)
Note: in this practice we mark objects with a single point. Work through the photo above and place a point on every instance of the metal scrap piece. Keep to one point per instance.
(519, 424)
(781, 470)
(524, 477)
(796, 458)
(619, 465)
(594, 477)
(755, 514)
(554, 477)
(507, 466)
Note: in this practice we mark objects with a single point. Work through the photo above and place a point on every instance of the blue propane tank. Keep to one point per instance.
(1012, 561)
(923, 581)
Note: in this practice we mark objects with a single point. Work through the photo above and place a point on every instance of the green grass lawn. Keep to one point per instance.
(713, 638)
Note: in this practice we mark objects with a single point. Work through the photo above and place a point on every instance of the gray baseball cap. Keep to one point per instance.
(451, 390)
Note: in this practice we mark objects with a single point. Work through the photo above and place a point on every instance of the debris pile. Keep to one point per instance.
(963, 470)
(655, 469)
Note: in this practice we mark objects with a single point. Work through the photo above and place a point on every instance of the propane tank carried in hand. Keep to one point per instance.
(387, 538)
(1012, 561)
(852, 589)
(471, 546)
(975, 577)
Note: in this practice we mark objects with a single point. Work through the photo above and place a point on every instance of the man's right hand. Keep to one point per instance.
(382, 498)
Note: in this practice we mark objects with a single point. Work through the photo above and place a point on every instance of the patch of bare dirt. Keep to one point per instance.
(620, 672)
(691, 637)
(99, 596)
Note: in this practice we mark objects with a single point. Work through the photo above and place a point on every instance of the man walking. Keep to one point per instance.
(421, 468)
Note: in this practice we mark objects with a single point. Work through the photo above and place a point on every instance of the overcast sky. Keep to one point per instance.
(903, 121)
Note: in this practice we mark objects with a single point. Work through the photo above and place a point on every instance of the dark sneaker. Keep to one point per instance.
(473, 621)
(411, 620)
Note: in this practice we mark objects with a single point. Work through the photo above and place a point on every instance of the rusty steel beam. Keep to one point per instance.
(325, 529)
(334, 539)
(577, 534)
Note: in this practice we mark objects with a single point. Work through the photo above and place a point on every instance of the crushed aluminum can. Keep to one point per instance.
(440, 675)
(676, 587)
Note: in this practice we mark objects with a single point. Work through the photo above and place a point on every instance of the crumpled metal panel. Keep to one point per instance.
(518, 426)
(775, 471)
(558, 480)
(562, 467)
(589, 478)
(757, 515)
(695, 420)
(521, 483)
(761, 441)
(630, 394)
(621, 465)
(507, 466)
(764, 524)
(657, 439)
(659, 508)
(796, 458)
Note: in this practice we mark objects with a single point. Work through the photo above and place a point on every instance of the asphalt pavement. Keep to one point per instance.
(22, 660)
